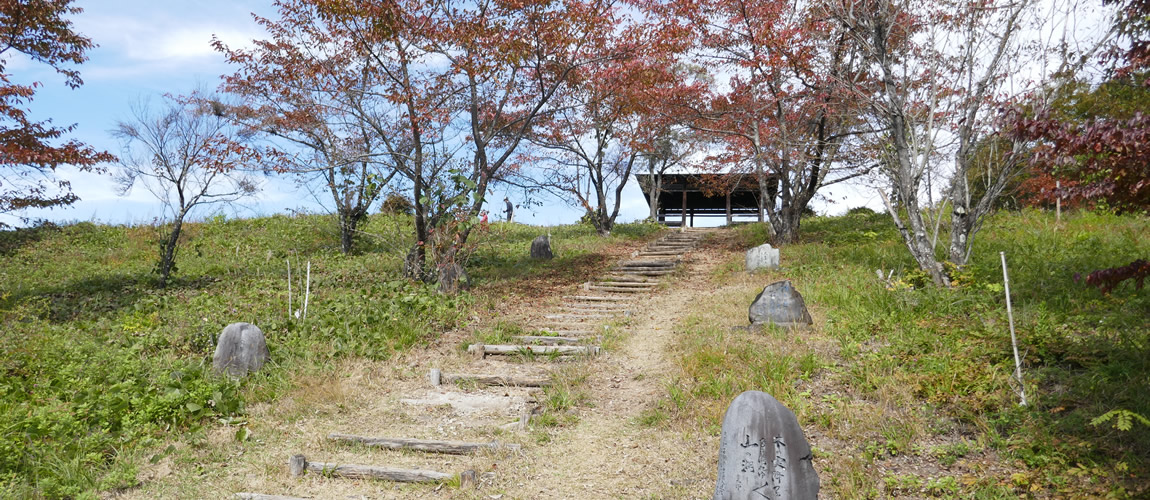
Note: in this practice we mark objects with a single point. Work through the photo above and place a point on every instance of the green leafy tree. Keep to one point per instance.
(30, 150)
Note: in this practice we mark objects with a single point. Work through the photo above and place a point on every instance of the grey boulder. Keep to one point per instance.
(779, 303)
(763, 452)
(241, 349)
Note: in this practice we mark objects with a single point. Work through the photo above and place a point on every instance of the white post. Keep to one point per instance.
(1013, 337)
(1058, 202)
(307, 290)
(289, 288)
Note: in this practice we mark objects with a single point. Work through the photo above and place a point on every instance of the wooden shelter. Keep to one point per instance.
(682, 197)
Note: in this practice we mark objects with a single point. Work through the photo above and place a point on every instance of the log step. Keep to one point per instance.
(633, 269)
(648, 273)
(562, 350)
(599, 298)
(439, 378)
(580, 317)
(546, 340)
(261, 496)
(566, 309)
(616, 289)
(424, 445)
(625, 284)
(595, 307)
(648, 263)
(299, 464)
(568, 333)
(626, 278)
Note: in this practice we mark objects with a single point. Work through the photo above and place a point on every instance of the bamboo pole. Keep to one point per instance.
(1013, 336)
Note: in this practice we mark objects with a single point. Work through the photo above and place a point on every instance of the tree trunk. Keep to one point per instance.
(961, 220)
(168, 252)
(348, 222)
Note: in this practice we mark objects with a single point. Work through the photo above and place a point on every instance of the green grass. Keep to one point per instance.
(901, 368)
(100, 366)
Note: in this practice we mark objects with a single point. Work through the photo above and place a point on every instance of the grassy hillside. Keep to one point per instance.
(907, 391)
(99, 365)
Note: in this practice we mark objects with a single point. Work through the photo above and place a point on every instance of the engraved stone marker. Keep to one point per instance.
(762, 257)
(240, 349)
(781, 304)
(763, 453)
(541, 248)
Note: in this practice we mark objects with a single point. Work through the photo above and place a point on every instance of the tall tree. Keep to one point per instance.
(29, 153)
(939, 76)
(187, 155)
(301, 90)
(1091, 137)
(780, 111)
(449, 90)
(609, 116)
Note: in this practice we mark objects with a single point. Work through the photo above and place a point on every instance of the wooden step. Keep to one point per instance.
(439, 378)
(424, 445)
(648, 263)
(625, 284)
(544, 340)
(596, 306)
(628, 278)
(580, 317)
(599, 298)
(568, 332)
(261, 496)
(299, 464)
(640, 270)
(615, 289)
(562, 350)
(649, 273)
(566, 309)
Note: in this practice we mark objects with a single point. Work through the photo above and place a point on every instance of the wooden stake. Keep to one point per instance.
(468, 480)
(1013, 337)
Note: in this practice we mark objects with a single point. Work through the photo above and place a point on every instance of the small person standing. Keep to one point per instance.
(509, 210)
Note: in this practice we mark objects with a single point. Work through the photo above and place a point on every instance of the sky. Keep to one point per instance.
(149, 48)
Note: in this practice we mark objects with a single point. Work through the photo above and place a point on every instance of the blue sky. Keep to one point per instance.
(148, 48)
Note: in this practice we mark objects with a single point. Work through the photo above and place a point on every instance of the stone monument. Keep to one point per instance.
(781, 304)
(762, 257)
(241, 349)
(541, 248)
(763, 453)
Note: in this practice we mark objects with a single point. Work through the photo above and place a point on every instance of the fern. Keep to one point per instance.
(1123, 419)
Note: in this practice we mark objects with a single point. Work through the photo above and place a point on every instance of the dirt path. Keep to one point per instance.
(610, 453)
(600, 449)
